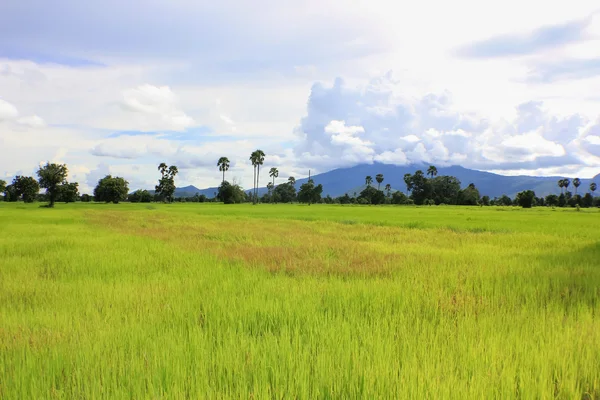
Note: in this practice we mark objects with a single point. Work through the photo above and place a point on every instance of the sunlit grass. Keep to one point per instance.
(205, 301)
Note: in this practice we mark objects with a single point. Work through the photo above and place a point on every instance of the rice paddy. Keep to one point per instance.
(294, 301)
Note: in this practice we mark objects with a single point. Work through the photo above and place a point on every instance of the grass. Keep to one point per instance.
(289, 301)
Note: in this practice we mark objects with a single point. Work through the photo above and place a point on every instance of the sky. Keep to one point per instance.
(113, 87)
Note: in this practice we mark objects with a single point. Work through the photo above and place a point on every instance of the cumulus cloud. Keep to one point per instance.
(32, 121)
(157, 107)
(341, 125)
(7, 111)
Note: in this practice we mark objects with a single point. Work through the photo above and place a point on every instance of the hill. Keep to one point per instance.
(349, 180)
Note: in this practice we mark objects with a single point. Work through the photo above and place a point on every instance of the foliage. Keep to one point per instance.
(485, 200)
(372, 195)
(231, 194)
(51, 176)
(419, 186)
(526, 198)
(166, 184)
(444, 189)
(2, 186)
(86, 198)
(140, 196)
(399, 198)
(111, 189)
(309, 193)
(468, 196)
(25, 187)
(284, 193)
(379, 179)
(68, 192)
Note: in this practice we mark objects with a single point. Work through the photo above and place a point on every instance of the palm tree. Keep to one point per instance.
(223, 165)
(379, 179)
(292, 181)
(593, 188)
(162, 168)
(576, 183)
(561, 185)
(566, 183)
(260, 161)
(273, 173)
(368, 180)
(432, 171)
(388, 189)
(254, 161)
(270, 189)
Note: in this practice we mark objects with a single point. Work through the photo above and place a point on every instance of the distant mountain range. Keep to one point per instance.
(349, 180)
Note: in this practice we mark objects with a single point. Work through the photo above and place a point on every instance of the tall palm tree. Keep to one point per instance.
(561, 185)
(566, 183)
(270, 189)
(273, 173)
(368, 180)
(388, 189)
(593, 188)
(379, 179)
(260, 159)
(432, 171)
(576, 183)
(254, 161)
(292, 181)
(223, 165)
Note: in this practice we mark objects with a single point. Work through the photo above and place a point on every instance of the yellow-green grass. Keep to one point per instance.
(291, 301)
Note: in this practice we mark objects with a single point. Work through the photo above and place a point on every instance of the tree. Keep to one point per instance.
(444, 189)
(2, 186)
(379, 179)
(588, 200)
(111, 189)
(419, 187)
(388, 190)
(257, 158)
(26, 187)
(485, 200)
(368, 180)
(166, 184)
(372, 196)
(285, 193)
(432, 171)
(526, 198)
(51, 176)
(292, 181)
(309, 193)
(399, 198)
(552, 200)
(140, 196)
(407, 181)
(10, 193)
(566, 183)
(223, 165)
(561, 185)
(469, 196)
(593, 188)
(270, 187)
(231, 194)
(68, 192)
(86, 198)
(576, 183)
(273, 173)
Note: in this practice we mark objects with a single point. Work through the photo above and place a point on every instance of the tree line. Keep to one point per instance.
(423, 188)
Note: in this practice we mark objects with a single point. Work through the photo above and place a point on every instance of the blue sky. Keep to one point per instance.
(118, 87)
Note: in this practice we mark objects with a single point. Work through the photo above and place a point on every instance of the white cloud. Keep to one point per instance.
(7, 111)
(158, 108)
(32, 121)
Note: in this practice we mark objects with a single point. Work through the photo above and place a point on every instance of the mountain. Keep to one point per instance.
(349, 180)
(191, 190)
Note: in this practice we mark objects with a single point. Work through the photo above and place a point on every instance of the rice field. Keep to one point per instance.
(292, 301)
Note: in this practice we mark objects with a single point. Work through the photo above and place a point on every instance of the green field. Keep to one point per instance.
(294, 301)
